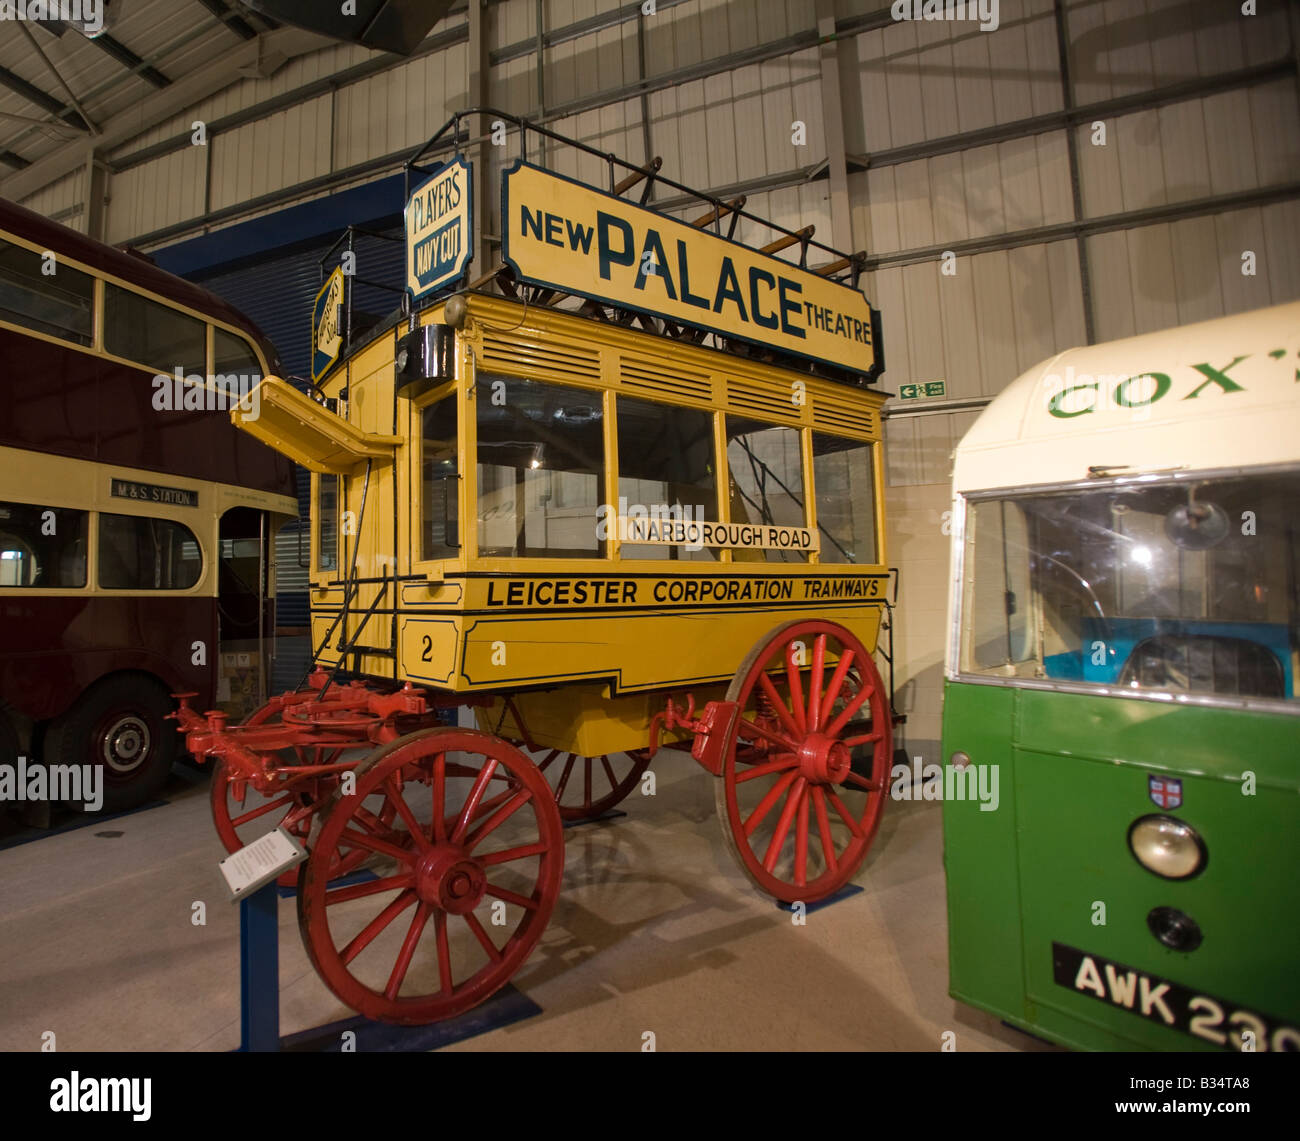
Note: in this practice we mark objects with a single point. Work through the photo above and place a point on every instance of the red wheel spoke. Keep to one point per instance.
(485, 940)
(413, 933)
(815, 683)
(269, 806)
(855, 703)
(824, 827)
(785, 762)
(549, 758)
(586, 796)
(862, 782)
(609, 772)
(865, 739)
(836, 685)
(507, 854)
(770, 798)
(364, 816)
(775, 738)
(801, 843)
(854, 827)
(511, 897)
(398, 801)
(782, 830)
(372, 929)
(471, 801)
(444, 950)
(376, 845)
(497, 818)
(795, 681)
(779, 707)
(370, 887)
(564, 777)
(439, 797)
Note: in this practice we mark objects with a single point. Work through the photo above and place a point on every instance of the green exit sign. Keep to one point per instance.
(921, 391)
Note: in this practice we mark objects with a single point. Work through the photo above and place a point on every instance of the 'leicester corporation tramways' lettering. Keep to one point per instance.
(738, 590)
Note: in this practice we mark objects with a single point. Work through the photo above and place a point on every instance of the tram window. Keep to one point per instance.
(846, 499)
(233, 355)
(327, 515)
(541, 469)
(151, 334)
(1188, 586)
(439, 481)
(61, 303)
(665, 466)
(42, 547)
(137, 552)
(767, 482)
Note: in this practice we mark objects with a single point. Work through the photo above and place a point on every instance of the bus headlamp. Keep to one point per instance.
(1167, 846)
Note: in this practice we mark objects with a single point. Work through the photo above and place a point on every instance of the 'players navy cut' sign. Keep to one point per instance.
(439, 229)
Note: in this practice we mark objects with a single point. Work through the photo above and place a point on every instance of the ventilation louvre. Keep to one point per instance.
(863, 420)
(640, 375)
(556, 362)
(772, 401)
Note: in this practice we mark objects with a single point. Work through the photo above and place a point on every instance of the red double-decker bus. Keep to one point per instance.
(136, 521)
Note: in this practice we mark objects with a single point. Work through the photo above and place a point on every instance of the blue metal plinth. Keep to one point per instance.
(259, 971)
(844, 893)
(507, 1006)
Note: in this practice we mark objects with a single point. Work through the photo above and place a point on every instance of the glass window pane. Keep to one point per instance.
(233, 355)
(767, 484)
(61, 303)
(155, 335)
(1181, 587)
(327, 515)
(666, 469)
(140, 553)
(541, 469)
(846, 499)
(42, 547)
(440, 487)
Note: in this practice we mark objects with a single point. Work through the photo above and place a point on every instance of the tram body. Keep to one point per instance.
(1124, 633)
(587, 632)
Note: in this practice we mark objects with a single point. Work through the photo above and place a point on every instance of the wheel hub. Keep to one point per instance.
(823, 760)
(447, 878)
(125, 743)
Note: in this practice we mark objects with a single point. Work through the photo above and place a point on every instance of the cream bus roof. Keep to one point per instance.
(1218, 394)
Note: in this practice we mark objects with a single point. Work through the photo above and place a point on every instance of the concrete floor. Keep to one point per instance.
(656, 930)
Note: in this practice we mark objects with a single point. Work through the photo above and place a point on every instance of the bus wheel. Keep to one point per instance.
(119, 725)
(800, 806)
(588, 787)
(468, 877)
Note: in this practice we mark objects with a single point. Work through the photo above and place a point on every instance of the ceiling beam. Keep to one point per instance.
(159, 106)
(40, 98)
(232, 19)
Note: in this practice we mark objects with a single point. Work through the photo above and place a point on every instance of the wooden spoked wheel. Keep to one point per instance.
(587, 787)
(806, 778)
(241, 819)
(468, 874)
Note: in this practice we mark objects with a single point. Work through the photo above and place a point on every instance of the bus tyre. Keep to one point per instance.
(120, 724)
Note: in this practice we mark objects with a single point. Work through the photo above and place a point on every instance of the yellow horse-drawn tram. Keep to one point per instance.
(623, 493)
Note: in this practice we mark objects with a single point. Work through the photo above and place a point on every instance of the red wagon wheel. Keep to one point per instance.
(806, 779)
(587, 787)
(471, 877)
